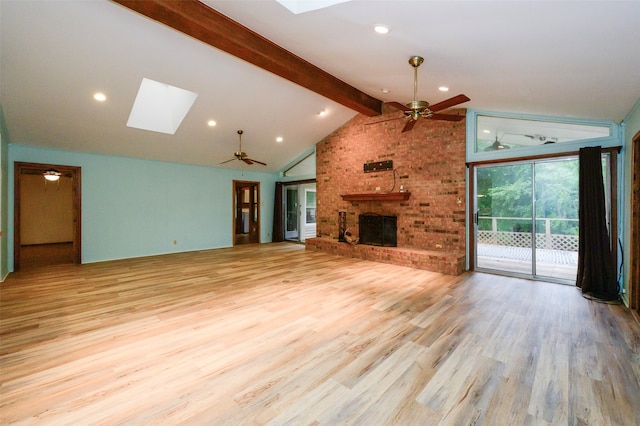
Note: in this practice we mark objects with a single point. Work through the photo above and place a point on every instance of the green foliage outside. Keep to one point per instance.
(505, 191)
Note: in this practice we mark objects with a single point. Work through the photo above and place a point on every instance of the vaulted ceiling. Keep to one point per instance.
(568, 59)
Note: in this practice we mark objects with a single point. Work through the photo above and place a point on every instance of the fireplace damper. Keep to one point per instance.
(378, 230)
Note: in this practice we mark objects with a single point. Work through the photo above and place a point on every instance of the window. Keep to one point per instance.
(498, 133)
(310, 205)
(498, 136)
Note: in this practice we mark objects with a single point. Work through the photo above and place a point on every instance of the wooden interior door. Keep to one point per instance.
(246, 212)
(48, 253)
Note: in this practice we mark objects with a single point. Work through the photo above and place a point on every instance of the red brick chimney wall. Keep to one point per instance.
(429, 162)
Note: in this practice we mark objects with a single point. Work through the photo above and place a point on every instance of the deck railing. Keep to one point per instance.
(544, 238)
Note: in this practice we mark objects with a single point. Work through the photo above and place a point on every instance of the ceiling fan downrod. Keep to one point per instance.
(416, 107)
(415, 62)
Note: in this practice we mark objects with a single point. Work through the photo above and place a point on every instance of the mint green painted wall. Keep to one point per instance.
(4, 197)
(632, 127)
(133, 207)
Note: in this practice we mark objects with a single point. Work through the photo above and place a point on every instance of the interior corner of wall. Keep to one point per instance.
(625, 299)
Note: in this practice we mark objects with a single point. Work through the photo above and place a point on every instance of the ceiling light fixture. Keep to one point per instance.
(385, 91)
(381, 29)
(100, 97)
(279, 139)
(322, 113)
(211, 123)
(443, 88)
(52, 175)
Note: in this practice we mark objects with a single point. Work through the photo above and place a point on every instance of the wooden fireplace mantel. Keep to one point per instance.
(377, 196)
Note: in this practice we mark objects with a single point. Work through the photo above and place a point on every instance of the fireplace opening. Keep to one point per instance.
(378, 230)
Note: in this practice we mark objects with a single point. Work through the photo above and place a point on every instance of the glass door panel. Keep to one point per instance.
(504, 226)
(556, 201)
(291, 222)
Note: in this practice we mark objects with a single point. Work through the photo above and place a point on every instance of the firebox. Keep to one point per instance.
(378, 230)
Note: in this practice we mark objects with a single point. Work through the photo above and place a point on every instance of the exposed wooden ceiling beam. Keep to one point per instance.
(199, 21)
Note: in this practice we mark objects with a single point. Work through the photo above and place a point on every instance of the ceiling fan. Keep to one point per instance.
(416, 109)
(241, 155)
(496, 146)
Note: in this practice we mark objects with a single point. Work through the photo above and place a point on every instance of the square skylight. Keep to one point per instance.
(160, 107)
(301, 6)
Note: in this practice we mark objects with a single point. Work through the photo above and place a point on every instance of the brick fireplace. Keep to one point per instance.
(429, 163)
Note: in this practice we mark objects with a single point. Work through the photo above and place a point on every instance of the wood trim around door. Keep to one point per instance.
(75, 173)
(634, 256)
(237, 184)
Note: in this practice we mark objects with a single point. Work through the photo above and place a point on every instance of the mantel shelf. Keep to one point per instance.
(377, 196)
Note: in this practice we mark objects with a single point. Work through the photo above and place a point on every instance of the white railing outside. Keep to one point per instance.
(544, 240)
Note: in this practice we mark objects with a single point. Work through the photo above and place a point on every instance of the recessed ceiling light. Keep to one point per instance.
(211, 123)
(322, 113)
(279, 139)
(381, 29)
(100, 97)
(486, 131)
(385, 91)
(443, 88)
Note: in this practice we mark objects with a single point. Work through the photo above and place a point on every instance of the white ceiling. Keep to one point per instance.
(559, 58)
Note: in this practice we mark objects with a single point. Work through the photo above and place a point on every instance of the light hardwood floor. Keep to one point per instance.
(272, 334)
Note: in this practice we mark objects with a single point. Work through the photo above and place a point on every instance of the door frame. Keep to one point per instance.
(634, 243)
(240, 184)
(299, 184)
(73, 172)
(613, 197)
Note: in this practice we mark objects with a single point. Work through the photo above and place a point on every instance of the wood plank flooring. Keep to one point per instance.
(273, 334)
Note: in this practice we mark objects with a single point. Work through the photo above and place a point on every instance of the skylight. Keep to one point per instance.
(160, 107)
(302, 6)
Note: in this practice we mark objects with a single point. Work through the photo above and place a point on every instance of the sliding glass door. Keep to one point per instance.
(526, 220)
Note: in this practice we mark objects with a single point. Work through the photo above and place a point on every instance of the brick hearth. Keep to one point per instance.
(429, 260)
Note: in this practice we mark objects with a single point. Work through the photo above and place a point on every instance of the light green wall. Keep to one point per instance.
(4, 197)
(632, 127)
(133, 207)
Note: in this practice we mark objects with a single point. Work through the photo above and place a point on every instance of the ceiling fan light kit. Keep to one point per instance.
(52, 175)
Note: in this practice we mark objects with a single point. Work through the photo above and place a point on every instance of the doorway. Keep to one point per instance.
(246, 208)
(299, 211)
(526, 217)
(47, 226)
